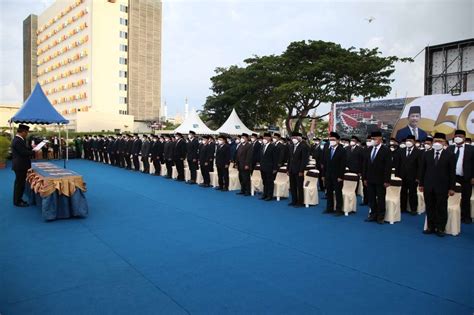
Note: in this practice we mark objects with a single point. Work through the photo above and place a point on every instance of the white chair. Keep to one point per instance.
(256, 181)
(392, 200)
(472, 203)
(310, 188)
(174, 174)
(421, 202)
(349, 199)
(360, 189)
(282, 184)
(164, 171)
(453, 225)
(214, 177)
(234, 183)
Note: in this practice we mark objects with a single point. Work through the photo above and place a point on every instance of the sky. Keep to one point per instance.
(199, 36)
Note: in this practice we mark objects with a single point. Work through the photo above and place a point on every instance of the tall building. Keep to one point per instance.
(99, 61)
(30, 26)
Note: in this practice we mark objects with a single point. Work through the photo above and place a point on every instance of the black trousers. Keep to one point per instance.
(466, 192)
(101, 156)
(296, 189)
(408, 194)
(19, 186)
(96, 155)
(180, 168)
(56, 152)
(193, 169)
(146, 165)
(127, 161)
(436, 209)
(376, 194)
(223, 175)
(333, 187)
(136, 162)
(169, 168)
(45, 154)
(205, 174)
(157, 166)
(267, 179)
(244, 178)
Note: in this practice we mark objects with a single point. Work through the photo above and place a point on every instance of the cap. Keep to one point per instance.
(335, 135)
(414, 110)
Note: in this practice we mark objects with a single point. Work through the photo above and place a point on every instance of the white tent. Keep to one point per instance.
(193, 122)
(234, 126)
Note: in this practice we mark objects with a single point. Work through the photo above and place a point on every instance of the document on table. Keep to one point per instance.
(40, 145)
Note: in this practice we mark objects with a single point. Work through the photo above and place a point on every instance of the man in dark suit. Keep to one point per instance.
(205, 157)
(376, 177)
(269, 159)
(354, 156)
(464, 155)
(145, 154)
(280, 147)
(179, 153)
(333, 175)
(414, 117)
(256, 149)
(192, 150)
(156, 154)
(21, 158)
(395, 154)
(298, 160)
(437, 182)
(136, 148)
(168, 154)
(223, 154)
(410, 159)
(244, 159)
(110, 150)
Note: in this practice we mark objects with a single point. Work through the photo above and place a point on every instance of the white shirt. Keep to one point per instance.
(414, 131)
(459, 166)
(20, 137)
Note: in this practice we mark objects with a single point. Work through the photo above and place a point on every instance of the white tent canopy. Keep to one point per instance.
(193, 122)
(233, 125)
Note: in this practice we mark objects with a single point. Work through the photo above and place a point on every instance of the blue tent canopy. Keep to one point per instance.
(38, 110)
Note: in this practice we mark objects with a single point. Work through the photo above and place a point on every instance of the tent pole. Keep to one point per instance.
(11, 129)
(67, 147)
(59, 140)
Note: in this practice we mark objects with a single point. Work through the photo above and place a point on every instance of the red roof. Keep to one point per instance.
(349, 121)
(357, 113)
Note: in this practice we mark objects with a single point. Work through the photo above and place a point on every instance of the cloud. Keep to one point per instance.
(10, 93)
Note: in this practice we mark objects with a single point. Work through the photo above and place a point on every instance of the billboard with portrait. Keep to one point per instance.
(428, 114)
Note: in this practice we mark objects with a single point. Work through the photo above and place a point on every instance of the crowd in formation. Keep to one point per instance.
(430, 165)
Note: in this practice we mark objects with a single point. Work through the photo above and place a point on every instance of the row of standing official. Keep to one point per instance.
(433, 170)
(269, 152)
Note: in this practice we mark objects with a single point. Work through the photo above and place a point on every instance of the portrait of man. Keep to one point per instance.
(414, 117)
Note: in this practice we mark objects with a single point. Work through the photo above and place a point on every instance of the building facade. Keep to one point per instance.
(30, 26)
(90, 61)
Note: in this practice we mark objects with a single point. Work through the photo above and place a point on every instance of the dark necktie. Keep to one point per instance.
(408, 152)
(332, 152)
(458, 150)
(437, 158)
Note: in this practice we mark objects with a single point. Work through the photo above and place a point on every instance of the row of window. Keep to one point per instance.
(122, 87)
(123, 74)
(60, 15)
(123, 60)
(75, 110)
(123, 47)
(64, 87)
(123, 34)
(60, 27)
(123, 8)
(123, 112)
(123, 21)
(72, 98)
(56, 42)
(64, 75)
(122, 100)
(64, 62)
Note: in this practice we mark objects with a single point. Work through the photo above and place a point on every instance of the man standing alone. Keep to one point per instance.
(21, 158)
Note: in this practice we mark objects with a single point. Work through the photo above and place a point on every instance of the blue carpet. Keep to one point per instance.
(155, 246)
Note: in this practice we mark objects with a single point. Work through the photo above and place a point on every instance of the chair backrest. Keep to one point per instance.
(256, 174)
(456, 198)
(311, 178)
(395, 187)
(350, 182)
(281, 175)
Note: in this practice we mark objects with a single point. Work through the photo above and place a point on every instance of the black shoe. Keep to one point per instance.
(298, 206)
(268, 199)
(328, 211)
(224, 189)
(466, 221)
(380, 221)
(370, 219)
(428, 231)
(22, 204)
(218, 188)
(240, 193)
(292, 204)
(247, 194)
(413, 213)
(440, 233)
(338, 213)
(263, 198)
